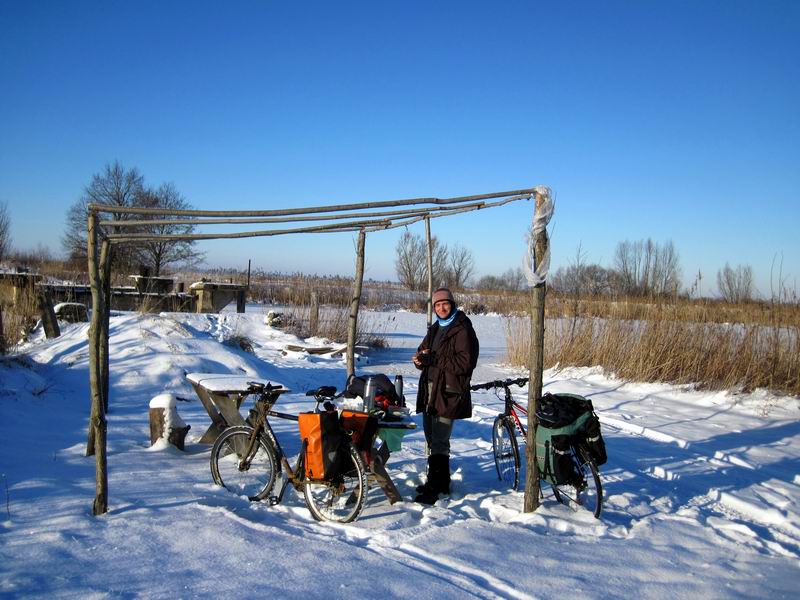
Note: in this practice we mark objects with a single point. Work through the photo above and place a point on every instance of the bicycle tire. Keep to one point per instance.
(342, 499)
(257, 481)
(506, 451)
(589, 494)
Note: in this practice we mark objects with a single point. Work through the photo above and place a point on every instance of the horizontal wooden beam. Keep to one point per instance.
(245, 221)
(451, 211)
(136, 210)
(334, 227)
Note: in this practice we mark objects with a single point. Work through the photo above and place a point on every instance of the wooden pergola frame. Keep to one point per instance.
(361, 217)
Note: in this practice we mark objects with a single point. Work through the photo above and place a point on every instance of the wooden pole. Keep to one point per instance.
(97, 419)
(313, 317)
(335, 227)
(430, 269)
(45, 305)
(354, 303)
(105, 279)
(95, 391)
(100, 505)
(397, 213)
(137, 210)
(536, 368)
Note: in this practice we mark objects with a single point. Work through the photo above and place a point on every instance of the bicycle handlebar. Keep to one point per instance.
(521, 382)
(256, 387)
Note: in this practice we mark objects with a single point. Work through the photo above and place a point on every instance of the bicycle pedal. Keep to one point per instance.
(273, 500)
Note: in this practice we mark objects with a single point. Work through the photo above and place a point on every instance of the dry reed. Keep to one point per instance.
(333, 325)
(666, 346)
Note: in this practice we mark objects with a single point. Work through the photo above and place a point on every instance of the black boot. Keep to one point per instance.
(438, 479)
(443, 480)
(427, 487)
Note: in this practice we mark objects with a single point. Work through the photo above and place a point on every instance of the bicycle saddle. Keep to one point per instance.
(325, 391)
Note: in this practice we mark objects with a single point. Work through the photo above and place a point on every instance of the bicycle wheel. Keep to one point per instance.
(588, 493)
(506, 451)
(254, 479)
(341, 499)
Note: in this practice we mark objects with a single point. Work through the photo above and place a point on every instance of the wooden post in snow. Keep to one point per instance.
(430, 269)
(97, 419)
(313, 316)
(535, 365)
(354, 303)
(105, 278)
(49, 322)
(95, 391)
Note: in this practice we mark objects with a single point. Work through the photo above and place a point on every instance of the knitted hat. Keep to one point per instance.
(443, 294)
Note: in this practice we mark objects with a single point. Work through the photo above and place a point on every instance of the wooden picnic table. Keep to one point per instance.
(222, 396)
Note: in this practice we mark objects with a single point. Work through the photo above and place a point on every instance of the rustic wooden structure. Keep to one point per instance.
(212, 297)
(362, 218)
(44, 303)
(313, 314)
(540, 244)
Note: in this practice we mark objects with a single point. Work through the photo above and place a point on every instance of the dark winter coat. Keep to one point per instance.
(451, 369)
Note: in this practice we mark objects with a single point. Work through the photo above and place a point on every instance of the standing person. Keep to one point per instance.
(447, 356)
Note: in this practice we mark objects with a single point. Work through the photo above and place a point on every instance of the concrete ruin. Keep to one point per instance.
(148, 294)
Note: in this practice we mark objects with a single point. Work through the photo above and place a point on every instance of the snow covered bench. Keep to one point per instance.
(222, 395)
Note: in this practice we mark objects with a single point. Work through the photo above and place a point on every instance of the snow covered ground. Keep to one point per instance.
(701, 489)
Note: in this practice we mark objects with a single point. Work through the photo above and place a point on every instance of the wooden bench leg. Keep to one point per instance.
(378, 470)
(218, 423)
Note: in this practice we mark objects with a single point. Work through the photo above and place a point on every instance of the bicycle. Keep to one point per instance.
(248, 459)
(585, 490)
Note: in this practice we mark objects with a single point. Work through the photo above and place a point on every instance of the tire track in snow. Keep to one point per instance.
(786, 534)
(467, 578)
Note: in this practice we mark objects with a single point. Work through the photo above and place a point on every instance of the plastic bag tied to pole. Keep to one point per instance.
(536, 275)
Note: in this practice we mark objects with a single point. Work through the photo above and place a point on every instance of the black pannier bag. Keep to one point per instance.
(566, 420)
(561, 460)
(594, 440)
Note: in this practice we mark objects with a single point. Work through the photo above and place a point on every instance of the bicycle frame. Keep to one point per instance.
(512, 406)
(507, 459)
(296, 476)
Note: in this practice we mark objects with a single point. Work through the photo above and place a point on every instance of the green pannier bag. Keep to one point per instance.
(554, 453)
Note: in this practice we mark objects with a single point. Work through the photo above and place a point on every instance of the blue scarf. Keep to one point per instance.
(448, 320)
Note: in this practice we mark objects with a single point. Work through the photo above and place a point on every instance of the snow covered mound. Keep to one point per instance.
(700, 489)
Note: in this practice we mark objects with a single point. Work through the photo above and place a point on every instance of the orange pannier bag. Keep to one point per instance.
(361, 427)
(323, 437)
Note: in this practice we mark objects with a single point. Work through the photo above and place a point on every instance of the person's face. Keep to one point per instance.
(443, 308)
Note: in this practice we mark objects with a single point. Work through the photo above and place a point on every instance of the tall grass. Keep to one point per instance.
(333, 325)
(662, 344)
(18, 320)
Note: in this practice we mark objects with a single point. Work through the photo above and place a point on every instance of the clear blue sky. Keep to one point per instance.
(669, 120)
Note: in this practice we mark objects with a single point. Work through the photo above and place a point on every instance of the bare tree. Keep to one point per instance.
(118, 186)
(511, 280)
(462, 265)
(115, 186)
(441, 266)
(157, 254)
(514, 279)
(410, 262)
(666, 272)
(5, 230)
(645, 268)
(735, 285)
